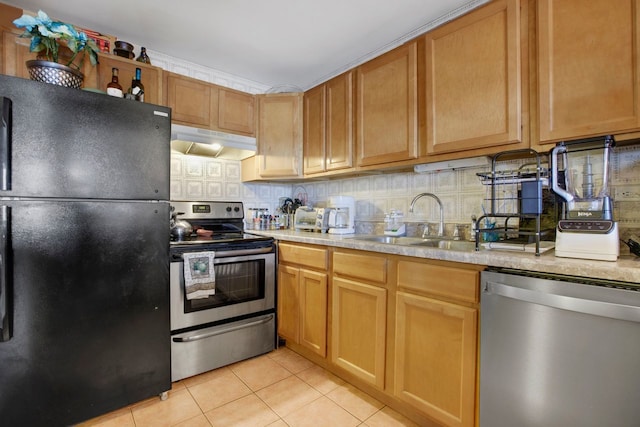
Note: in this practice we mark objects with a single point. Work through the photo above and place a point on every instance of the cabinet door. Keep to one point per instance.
(435, 360)
(279, 135)
(189, 100)
(314, 130)
(236, 112)
(588, 67)
(151, 76)
(358, 329)
(473, 82)
(313, 311)
(387, 107)
(339, 131)
(288, 306)
(328, 125)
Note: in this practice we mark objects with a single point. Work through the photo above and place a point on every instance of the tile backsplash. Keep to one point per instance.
(461, 192)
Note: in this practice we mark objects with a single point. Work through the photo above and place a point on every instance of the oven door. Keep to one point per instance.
(245, 284)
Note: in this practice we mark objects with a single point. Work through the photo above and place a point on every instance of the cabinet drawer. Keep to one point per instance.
(451, 282)
(314, 257)
(367, 267)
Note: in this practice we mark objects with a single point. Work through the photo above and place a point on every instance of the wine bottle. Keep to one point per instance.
(113, 87)
(137, 88)
(143, 56)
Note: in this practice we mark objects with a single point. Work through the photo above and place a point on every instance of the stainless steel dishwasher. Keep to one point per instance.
(558, 351)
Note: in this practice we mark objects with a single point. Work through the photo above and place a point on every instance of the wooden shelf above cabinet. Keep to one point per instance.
(151, 76)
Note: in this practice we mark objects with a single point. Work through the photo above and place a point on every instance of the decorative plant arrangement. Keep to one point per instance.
(47, 37)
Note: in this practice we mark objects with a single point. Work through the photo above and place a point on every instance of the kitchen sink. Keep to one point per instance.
(453, 245)
(431, 242)
(392, 240)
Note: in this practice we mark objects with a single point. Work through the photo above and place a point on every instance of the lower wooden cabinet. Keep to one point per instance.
(313, 311)
(359, 317)
(436, 339)
(435, 358)
(404, 329)
(289, 303)
(302, 296)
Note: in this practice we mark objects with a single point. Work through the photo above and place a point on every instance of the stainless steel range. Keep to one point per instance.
(238, 321)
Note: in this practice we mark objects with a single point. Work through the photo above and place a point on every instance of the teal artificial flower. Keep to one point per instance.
(48, 35)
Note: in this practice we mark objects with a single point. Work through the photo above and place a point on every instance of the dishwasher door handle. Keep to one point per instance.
(580, 305)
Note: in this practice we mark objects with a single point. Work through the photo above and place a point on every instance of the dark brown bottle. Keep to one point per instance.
(143, 57)
(113, 87)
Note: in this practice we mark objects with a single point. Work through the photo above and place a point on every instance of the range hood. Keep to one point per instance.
(211, 143)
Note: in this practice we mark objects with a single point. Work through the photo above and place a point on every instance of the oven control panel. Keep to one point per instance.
(209, 210)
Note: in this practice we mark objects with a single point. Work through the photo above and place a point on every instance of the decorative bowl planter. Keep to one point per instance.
(54, 73)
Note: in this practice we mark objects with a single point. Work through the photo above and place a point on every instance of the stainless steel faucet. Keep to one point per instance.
(434, 197)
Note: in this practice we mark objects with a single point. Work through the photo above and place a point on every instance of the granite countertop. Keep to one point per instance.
(626, 269)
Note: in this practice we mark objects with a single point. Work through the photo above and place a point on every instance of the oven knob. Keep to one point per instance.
(228, 208)
(236, 209)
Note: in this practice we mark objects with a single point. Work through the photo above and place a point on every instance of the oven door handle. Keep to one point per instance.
(221, 331)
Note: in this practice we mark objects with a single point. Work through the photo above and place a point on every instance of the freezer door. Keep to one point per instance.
(59, 142)
(88, 299)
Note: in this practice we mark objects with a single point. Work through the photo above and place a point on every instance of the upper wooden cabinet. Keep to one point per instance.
(280, 135)
(387, 107)
(236, 112)
(205, 105)
(189, 99)
(473, 80)
(328, 126)
(588, 80)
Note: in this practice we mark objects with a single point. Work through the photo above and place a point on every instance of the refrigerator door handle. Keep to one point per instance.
(5, 143)
(579, 305)
(5, 278)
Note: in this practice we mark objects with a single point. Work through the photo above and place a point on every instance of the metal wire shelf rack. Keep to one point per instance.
(522, 209)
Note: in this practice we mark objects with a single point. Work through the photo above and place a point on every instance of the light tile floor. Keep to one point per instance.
(277, 389)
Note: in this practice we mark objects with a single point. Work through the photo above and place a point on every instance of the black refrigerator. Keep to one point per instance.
(84, 262)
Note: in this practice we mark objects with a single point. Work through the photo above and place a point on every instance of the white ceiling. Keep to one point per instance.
(271, 42)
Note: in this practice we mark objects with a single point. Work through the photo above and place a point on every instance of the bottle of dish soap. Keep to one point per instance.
(393, 225)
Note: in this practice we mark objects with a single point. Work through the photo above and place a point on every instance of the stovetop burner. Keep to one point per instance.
(223, 219)
(195, 239)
